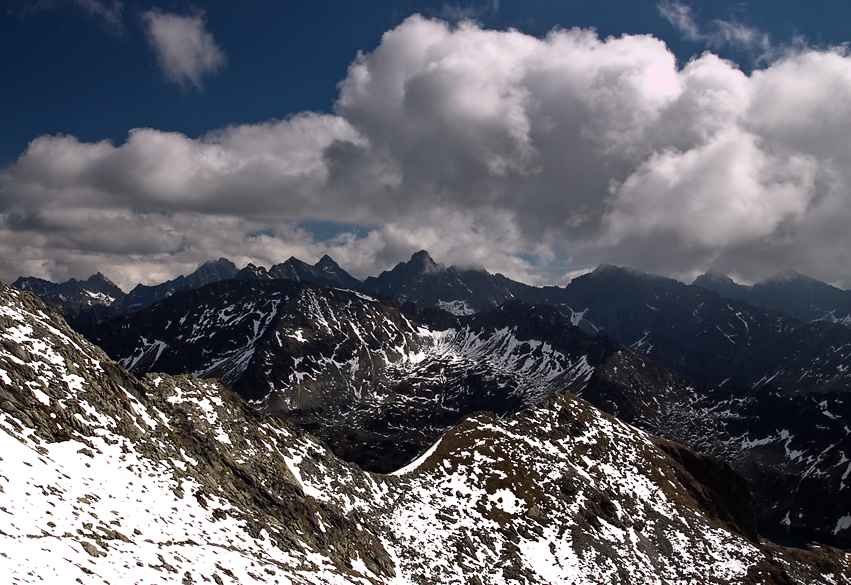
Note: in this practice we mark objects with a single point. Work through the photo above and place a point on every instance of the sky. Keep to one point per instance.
(537, 139)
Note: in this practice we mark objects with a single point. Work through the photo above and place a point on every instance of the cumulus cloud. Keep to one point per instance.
(534, 157)
(186, 51)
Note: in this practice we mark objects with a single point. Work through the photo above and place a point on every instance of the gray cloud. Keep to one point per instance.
(533, 157)
(186, 51)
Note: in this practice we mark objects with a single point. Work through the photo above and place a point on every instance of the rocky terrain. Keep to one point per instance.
(325, 272)
(378, 381)
(461, 291)
(106, 477)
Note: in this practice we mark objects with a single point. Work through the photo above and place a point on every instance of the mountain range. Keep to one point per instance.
(721, 340)
(423, 281)
(108, 478)
(380, 370)
(379, 380)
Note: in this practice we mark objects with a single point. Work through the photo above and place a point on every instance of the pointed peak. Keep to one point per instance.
(99, 278)
(326, 262)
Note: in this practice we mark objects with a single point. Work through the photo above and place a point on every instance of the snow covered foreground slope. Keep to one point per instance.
(105, 478)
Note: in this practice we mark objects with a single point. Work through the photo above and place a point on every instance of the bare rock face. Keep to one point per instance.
(106, 478)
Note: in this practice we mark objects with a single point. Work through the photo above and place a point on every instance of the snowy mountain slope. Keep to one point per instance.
(683, 327)
(108, 478)
(793, 450)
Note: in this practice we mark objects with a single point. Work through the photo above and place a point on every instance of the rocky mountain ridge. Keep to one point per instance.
(789, 292)
(109, 478)
(708, 337)
(84, 303)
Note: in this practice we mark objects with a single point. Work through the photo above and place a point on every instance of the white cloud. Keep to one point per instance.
(111, 14)
(458, 12)
(185, 49)
(532, 157)
(719, 33)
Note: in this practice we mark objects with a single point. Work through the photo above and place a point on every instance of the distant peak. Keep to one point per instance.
(99, 277)
(605, 268)
(326, 262)
(787, 275)
(424, 262)
(219, 262)
(422, 257)
(716, 275)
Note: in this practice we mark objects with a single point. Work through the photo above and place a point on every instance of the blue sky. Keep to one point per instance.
(80, 72)
(70, 71)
